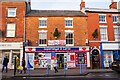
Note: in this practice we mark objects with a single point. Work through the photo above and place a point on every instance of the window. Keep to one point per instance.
(11, 12)
(117, 33)
(69, 22)
(102, 18)
(42, 22)
(115, 19)
(42, 38)
(69, 38)
(103, 33)
(10, 30)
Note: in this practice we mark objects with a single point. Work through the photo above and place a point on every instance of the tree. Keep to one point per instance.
(95, 33)
(56, 33)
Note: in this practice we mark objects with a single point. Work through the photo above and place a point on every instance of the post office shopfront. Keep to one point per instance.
(10, 49)
(46, 55)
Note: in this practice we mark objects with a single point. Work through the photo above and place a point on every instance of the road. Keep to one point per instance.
(90, 76)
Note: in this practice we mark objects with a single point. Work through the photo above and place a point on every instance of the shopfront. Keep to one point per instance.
(109, 52)
(46, 55)
(10, 49)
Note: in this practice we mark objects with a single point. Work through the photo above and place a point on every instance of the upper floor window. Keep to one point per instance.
(42, 22)
(102, 18)
(69, 38)
(42, 37)
(10, 30)
(115, 19)
(69, 22)
(103, 33)
(116, 33)
(12, 12)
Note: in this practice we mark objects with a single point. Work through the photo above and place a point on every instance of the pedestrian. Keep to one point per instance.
(18, 64)
(55, 65)
(23, 66)
(5, 64)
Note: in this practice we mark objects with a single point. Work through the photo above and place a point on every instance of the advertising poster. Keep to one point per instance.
(30, 60)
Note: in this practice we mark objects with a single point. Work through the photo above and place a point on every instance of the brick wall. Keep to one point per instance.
(19, 20)
(79, 23)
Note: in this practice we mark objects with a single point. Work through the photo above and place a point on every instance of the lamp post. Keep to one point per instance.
(24, 50)
(24, 42)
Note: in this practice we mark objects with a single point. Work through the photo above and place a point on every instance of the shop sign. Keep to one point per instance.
(57, 42)
(110, 46)
(57, 48)
(11, 45)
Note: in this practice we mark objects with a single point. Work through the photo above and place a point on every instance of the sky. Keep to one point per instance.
(68, 4)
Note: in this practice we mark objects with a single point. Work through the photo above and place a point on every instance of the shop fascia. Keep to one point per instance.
(57, 49)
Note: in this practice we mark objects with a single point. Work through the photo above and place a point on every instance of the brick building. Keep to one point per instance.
(60, 34)
(12, 28)
(103, 34)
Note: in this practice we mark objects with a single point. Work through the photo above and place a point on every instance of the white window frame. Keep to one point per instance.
(116, 16)
(118, 33)
(68, 19)
(42, 19)
(69, 31)
(14, 11)
(105, 33)
(105, 18)
(44, 31)
(11, 28)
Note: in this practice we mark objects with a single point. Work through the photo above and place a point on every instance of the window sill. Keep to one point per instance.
(69, 44)
(68, 26)
(42, 26)
(42, 44)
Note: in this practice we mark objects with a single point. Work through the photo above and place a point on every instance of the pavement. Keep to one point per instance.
(61, 72)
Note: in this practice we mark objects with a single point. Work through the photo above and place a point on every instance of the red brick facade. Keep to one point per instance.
(79, 28)
(18, 20)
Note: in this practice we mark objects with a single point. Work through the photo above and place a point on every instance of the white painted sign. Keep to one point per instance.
(110, 46)
(56, 42)
(10, 45)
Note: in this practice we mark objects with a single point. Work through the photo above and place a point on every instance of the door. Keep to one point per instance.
(95, 59)
(60, 60)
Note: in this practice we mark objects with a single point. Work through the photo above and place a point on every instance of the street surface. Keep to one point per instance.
(90, 76)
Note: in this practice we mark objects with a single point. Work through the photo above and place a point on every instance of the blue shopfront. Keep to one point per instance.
(72, 55)
(109, 52)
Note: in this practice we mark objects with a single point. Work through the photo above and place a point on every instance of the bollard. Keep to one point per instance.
(65, 68)
(47, 69)
(15, 66)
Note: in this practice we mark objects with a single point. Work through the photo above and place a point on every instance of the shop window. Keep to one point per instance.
(15, 54)
(80, 58)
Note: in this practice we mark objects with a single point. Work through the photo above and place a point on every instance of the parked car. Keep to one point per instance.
(116, 65)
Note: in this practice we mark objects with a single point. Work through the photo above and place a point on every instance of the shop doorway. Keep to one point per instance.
(95, 59)
(60, 60)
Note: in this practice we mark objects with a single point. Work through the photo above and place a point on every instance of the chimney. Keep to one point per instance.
(82, 4)
(113, 5)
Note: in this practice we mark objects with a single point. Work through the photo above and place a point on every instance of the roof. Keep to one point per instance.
(102, 10)
(55, 13)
